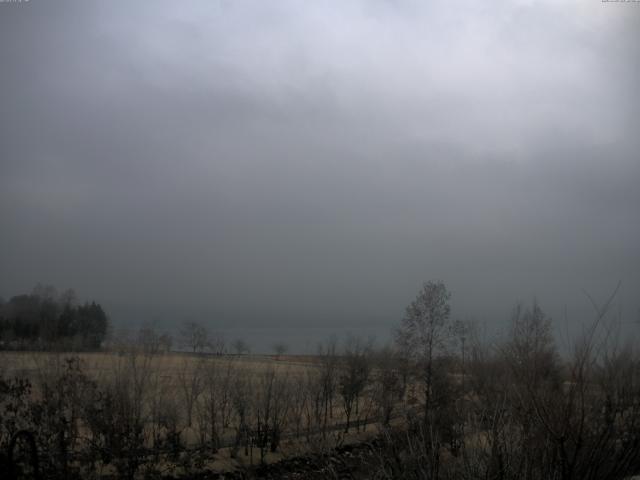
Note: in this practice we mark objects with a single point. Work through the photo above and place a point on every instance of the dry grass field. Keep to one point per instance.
(103, 365)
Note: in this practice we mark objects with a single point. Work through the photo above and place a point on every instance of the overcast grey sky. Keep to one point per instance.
(298, 164)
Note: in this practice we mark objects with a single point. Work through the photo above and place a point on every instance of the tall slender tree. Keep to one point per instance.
(424, 331)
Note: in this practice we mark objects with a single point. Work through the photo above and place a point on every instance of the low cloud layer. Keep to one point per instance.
(295, 165)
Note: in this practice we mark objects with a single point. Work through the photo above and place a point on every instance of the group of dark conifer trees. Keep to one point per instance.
(45, 318)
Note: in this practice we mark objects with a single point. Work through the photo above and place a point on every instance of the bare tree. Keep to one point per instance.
(163, 410)
(423, 336)
(240, 346)
(299, 401)
(542, 417)
(117, 416)
(165, 342)
(242, 408)
(327, 353)
(587, 426)
(313, 407)
(148, 340)
(190, 382)
(280, 348)
(208, 409)
(215, 408)
(271, 405)
(218, 343)
(424, 332)
(531, 348)
(388, 389)
(354, 375)
(194, 336)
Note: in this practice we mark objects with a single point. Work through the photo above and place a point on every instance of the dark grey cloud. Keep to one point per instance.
(292, 165)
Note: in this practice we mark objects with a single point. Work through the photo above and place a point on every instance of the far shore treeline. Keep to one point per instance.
(45, 318)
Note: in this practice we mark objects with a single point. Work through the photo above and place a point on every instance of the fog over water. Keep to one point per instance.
(291, 169)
